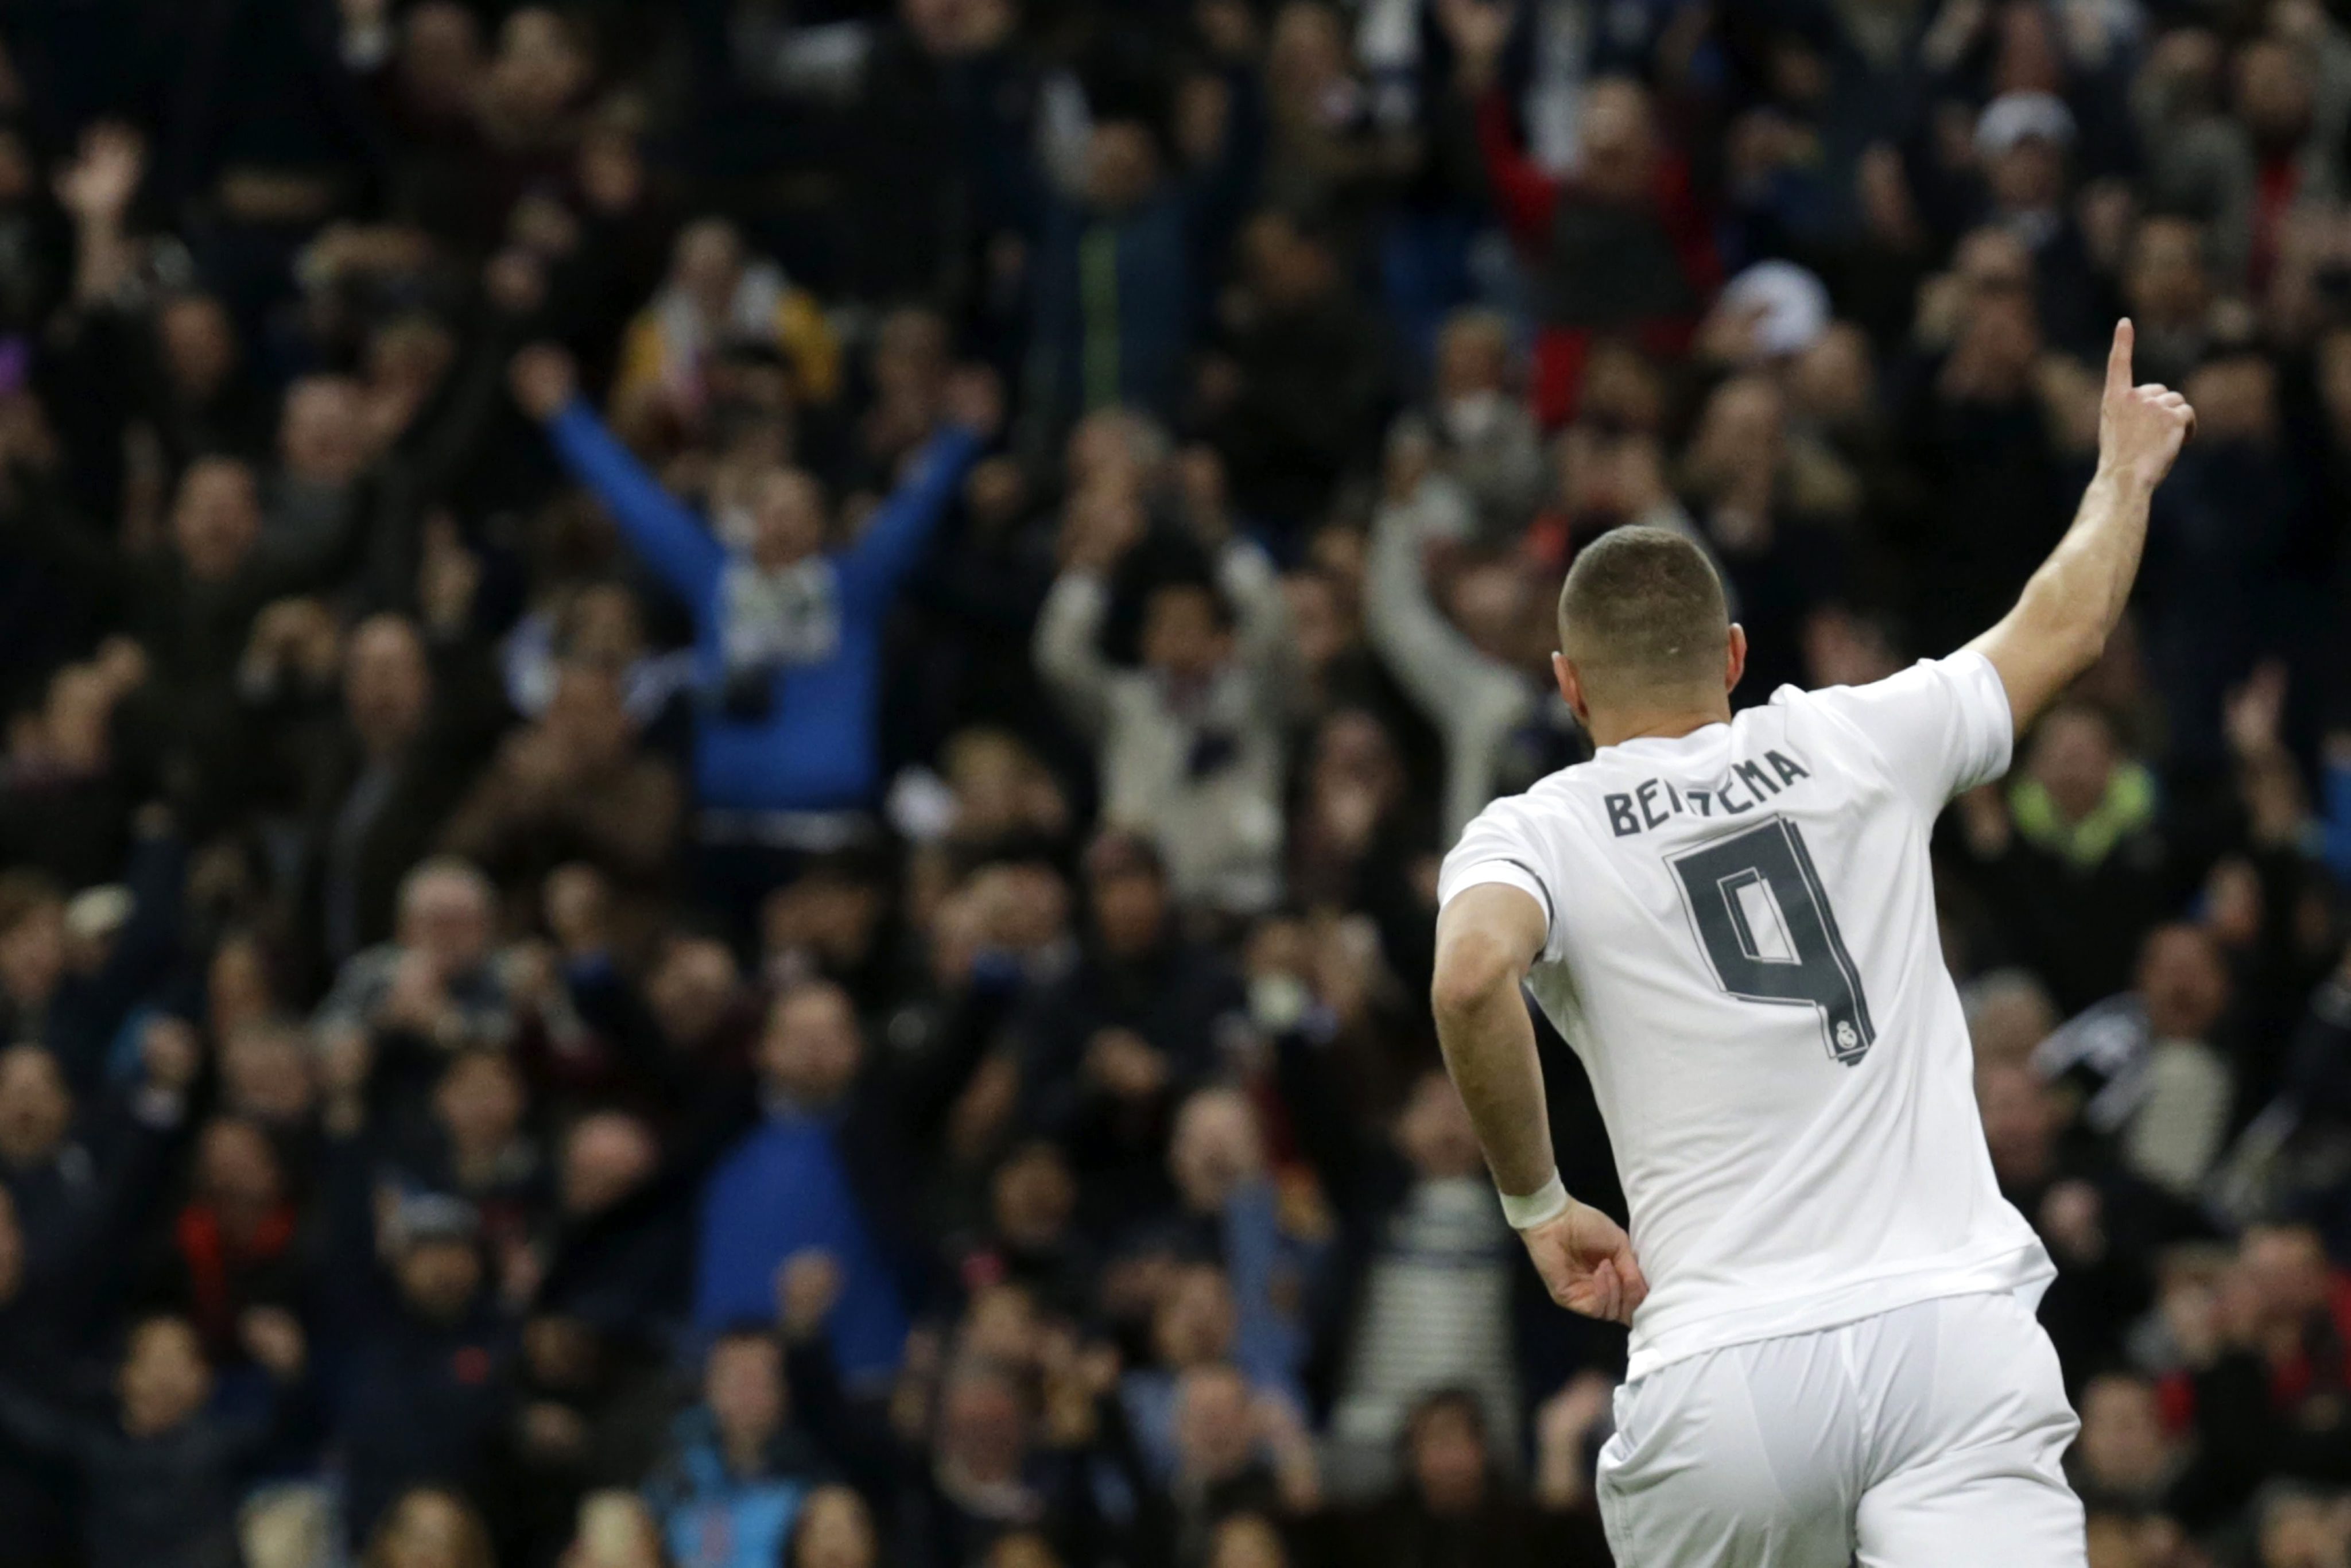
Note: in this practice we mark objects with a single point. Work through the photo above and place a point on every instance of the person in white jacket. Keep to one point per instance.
(1482, 675)
(1189, 744)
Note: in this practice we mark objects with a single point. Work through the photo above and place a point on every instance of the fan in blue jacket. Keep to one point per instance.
(788, 634)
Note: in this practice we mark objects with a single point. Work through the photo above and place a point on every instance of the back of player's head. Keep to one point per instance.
(1642, 615)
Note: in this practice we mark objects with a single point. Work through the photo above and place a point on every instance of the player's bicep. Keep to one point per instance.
(2031, 671)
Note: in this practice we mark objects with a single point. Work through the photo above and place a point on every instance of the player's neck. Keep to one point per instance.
(1615, 730)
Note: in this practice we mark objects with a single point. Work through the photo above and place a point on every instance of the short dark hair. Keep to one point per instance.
(1643, 608)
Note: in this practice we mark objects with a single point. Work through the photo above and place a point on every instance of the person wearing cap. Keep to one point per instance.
(2023, 141)
(424, 1388)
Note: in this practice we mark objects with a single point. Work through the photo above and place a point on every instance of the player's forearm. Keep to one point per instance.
(1489, 1048)
(2082, 586)
(2073, 604)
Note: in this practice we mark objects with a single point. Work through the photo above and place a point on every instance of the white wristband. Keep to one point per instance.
(1537, 1207)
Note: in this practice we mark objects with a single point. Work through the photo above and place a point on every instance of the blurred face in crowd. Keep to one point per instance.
(708, 265)
(1122, 165)
(2028, 174)
(2073, 757)
(983, 1430)
(480, 1103)
(909, 355)
(835, 1531)
(1215, 1148)
(1434, 1132)
(1473, 356)
(1032, 1196)
(1993, 260)
(1130, 908)
(2286, 1267)
(165, 1379)
(2007, 1015)
(2304, 1529)
(32, 947)
(1307, 54)
(237, 1169)
(608, 1156)
(1216, 1437)
(788, 517)
(1832, 383)
(1184, 637)
(2020, 1120)
(2235, 399)
(429, 1528)
(438, 1277)
(215, 518)
(2184, 982)
(539, 68)
(693, 990)
(743, 1384)
(1114, 449)
(1617, 143)
(1488, 601)
(440, 61)
(1738, 434)
(2165, 283)
(1247, 1541)
(2123, 1449)
(1287, 270)
(266, 1072)
(387, 686)
(585, 716)
(445, 914)
(322, 434)
(1196, 1320)
(1320, 624)
(2272, 93)
(35, 1107)
(604, 625)
(199, 346)
(812, 1048)
(1448, 1456)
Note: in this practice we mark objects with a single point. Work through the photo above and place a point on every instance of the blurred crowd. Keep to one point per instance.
(728, 725)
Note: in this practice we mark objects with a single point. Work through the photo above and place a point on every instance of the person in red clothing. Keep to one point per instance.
(1621, 248)
(235, 1246)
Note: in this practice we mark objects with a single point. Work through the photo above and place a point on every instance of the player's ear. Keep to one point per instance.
(1571, 687)
(1735, 662)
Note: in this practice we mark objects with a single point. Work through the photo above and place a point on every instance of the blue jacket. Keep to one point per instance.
(788, 1187)
(814, 749)
(711, 1517)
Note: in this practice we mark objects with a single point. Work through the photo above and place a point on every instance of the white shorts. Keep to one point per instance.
(1931, 1435)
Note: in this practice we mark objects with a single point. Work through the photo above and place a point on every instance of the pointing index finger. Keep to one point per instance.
(2118, 359)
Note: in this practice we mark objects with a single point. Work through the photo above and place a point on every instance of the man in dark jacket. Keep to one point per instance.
(160, 1481)
(424, 1389)
(1109, 1050)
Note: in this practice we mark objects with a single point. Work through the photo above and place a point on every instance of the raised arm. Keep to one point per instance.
(2070, 606)
(658, 526)
(1487, 936)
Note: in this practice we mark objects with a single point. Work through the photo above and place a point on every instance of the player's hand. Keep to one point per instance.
(2140, 428)
(1586, 1262)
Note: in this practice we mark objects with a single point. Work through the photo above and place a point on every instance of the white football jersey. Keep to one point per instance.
(1743, 951)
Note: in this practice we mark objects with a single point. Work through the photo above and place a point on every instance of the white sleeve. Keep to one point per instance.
(1941, 726)
(1501, 846)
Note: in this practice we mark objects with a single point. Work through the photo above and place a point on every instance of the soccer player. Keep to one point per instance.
(1732, 919)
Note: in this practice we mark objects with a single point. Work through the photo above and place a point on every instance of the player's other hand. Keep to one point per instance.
(1586, 1262)
(2140, 428)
